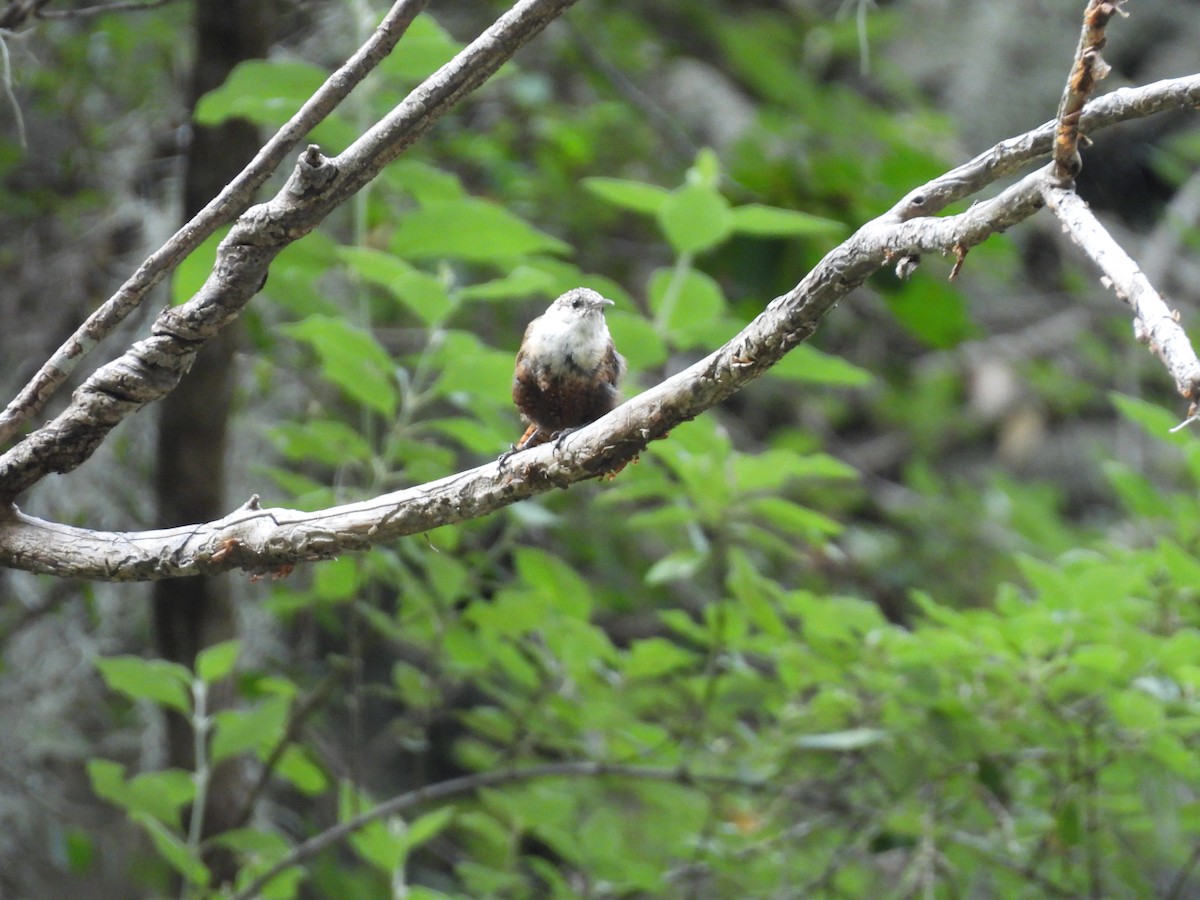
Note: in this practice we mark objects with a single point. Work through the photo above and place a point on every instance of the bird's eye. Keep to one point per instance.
(576, 303)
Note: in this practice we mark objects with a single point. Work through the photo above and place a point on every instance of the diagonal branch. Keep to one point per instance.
(1154, 323)
(274, 539)
(152, 367)
(233, 200)
(1009, 156)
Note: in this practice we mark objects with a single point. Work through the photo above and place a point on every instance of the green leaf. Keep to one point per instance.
(270, 92)
(421, 292)
(297, 767)
(190, 275)
(523, 281)
(655, 657)
(641, 345)
(679, 566)
(161, 795)
(108, 781)
(794, 518)
(685, 306)
(350, 358)
(425, 48)
(771, 221)
(216, 662)
(182, 858)
(423, 182)
(635, 195)
(470, 229)
(79, 850)
(706, 170)
(326, 441)
(772, 469)
(842, 741)
(695, 218)
(157, 680)
(337, 579)
(567, 591)
(931, 310)
(1156, 421)
(381, 843)
(808, 365)
(427, 827)
(237, 731)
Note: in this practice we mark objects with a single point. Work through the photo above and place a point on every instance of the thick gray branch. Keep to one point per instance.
(265, 540)
(270, 540)
(233, 199)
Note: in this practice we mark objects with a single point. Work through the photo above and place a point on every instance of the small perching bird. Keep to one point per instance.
(568, 369)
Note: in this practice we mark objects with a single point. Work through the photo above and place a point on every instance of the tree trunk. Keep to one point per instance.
(192, 613)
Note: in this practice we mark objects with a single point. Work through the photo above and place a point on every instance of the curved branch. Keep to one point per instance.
(468, 784)
(233, 200)
(272, 540)
(152, 367)
(1154, 323)
(1009, 156)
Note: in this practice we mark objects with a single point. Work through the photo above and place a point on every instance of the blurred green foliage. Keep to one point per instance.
(923, 681)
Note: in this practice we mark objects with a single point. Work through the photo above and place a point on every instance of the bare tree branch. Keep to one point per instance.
(469, 784)
(272, 540)
(80, 12)
(152, 367)
(1154, 323)
(17, 11)
(232, 201)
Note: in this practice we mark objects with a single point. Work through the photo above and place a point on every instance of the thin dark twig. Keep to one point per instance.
(16, 13)
(231, 202)
(101, 8)
(469, 784)
(300, 714)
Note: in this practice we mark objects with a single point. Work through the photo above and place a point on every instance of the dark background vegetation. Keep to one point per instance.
(929, 595)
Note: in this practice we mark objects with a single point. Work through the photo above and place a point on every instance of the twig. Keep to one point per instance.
(17, 11)
(1180, 882)
(9, 94)
(298, 716)
(233, 200)
(1011, 155)
(1154, 323)
(468, 784)
(101, 8)
(1087, 69)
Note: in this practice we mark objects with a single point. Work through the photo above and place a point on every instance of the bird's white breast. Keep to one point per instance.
(558, 341)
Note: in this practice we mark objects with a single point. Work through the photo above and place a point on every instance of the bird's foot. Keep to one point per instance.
(561, 436)
(512, 450)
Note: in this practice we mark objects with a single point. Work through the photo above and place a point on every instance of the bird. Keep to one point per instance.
(568, 370)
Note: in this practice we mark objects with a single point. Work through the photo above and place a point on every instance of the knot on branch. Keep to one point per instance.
(313, 173)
